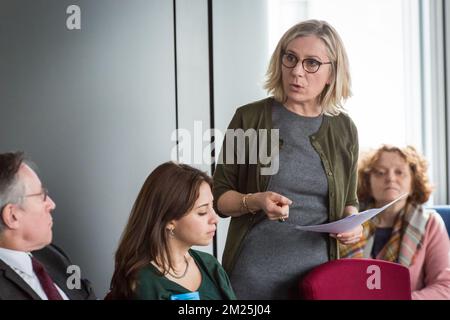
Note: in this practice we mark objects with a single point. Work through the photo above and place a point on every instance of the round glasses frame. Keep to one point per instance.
(43, 192)
(310, 65)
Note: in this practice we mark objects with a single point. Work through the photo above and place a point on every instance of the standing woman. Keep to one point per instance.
(309, 79)
(154, 260)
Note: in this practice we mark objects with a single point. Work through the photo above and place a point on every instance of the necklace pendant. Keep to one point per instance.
(185, 270)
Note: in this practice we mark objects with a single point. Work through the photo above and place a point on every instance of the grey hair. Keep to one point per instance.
(13, 193)
(12, 188)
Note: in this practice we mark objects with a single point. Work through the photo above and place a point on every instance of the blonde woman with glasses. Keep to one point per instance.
(308, 79)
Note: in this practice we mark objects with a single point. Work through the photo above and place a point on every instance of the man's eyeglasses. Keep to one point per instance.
(310, 65)
(43, 194)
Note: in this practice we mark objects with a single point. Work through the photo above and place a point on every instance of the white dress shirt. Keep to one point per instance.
(20, 262)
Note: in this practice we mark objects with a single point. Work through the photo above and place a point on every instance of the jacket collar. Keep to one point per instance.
(12, 276)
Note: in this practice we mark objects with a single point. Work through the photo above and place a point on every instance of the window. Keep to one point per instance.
(382, 40)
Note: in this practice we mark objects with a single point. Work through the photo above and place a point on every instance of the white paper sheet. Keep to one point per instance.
(348, 223)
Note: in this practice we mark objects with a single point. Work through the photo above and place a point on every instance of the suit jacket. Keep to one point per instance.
(55, 261)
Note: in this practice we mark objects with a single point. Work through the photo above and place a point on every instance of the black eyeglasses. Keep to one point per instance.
(310, 65)
(43, 193)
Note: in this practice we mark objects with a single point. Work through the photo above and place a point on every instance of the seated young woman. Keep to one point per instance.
(154, 260)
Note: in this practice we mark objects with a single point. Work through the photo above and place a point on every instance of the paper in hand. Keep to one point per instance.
(350, 222)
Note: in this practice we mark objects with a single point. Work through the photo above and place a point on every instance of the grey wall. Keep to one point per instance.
(240, 61)
(193, 80)
(94, 108)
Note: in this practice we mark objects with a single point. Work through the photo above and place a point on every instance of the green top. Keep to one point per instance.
(215, 284)
(336, 142)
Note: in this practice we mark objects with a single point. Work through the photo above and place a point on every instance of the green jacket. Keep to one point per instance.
(336, 142)
(153, 286)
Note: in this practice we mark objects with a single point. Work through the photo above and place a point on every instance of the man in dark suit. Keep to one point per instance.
(30, 267)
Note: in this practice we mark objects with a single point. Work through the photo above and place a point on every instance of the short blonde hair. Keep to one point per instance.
(334, 95)
(421, 187)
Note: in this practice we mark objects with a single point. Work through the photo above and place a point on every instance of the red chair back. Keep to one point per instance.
(357, 279)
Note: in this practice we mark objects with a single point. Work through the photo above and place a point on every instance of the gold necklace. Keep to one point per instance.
(185, 270)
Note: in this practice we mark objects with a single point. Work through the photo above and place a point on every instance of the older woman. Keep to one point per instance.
(406, 232)
(309, 79)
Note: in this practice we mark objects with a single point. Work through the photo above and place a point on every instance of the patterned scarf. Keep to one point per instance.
(406, 238)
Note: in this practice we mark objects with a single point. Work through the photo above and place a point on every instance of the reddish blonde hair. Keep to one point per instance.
(421, 187)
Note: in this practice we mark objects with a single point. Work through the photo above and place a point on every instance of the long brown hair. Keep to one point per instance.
(169, 192)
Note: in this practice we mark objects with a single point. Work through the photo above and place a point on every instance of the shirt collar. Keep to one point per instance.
(17, 260)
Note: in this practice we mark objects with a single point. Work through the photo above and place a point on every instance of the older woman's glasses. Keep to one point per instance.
(310, 65)
(43, 194)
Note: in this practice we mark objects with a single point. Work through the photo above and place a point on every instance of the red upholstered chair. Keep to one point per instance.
(357, 279)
